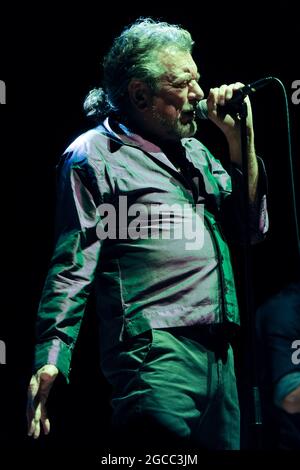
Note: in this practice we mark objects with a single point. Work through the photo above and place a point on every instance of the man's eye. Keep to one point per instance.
(186, 83)
(183, 84)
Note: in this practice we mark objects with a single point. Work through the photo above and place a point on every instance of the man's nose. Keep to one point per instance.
(195, 92)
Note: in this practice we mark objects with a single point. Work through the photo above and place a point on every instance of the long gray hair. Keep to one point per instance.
(134, 54)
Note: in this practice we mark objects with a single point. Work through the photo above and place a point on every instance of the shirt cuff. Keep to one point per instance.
(53, 352)
(258, 213)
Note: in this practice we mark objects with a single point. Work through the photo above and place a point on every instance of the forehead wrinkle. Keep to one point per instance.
(178, 65)
(181, 75)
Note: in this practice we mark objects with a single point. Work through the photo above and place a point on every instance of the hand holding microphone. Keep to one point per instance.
(222, 107)
(224, 100)
(219, 109)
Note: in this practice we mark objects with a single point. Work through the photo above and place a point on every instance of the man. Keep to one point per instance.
(166, 304)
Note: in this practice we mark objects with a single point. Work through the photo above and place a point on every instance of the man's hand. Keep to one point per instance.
(216, 99)
(291, 403)
(38, 391)
(230, 126)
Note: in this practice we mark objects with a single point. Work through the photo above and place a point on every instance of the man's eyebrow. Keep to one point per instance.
(184, 74)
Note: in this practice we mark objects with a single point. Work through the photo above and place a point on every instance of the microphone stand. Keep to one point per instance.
(253, 415)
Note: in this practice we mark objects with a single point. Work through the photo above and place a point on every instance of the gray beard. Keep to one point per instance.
(176, 129)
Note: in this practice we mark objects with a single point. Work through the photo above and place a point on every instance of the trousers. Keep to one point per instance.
(175, 388)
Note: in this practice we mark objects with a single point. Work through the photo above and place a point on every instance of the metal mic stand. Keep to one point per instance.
(252, 413)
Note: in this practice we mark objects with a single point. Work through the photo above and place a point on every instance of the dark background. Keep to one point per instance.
(49, 61)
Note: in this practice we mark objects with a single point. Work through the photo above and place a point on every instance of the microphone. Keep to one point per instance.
(231, 106)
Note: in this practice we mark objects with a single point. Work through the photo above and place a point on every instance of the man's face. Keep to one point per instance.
(172, 114)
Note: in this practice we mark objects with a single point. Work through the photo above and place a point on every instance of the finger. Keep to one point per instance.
(212, 99)
(31, 427)
(31, 397)
(37, 430)
(34, 423)
(222, 94)
(45, 421)
(30, 415)
(229, 92)
(46, 426)
(33, 387)
(37, 412)
(238, 85)
(40, 416)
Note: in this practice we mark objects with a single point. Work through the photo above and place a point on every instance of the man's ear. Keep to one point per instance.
(139, 94)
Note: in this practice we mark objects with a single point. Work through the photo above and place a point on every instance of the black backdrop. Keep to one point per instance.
(49, 61)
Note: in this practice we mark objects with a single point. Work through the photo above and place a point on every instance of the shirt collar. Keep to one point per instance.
(127, 137)
(124, 136)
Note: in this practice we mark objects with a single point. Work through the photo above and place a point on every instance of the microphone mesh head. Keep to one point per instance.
(201, 110)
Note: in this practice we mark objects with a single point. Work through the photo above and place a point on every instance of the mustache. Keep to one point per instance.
(189, 110)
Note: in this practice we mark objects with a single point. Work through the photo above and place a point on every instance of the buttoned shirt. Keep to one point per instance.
(147, 235)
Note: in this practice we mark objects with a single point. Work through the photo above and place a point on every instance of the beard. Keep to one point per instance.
(174, 128)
